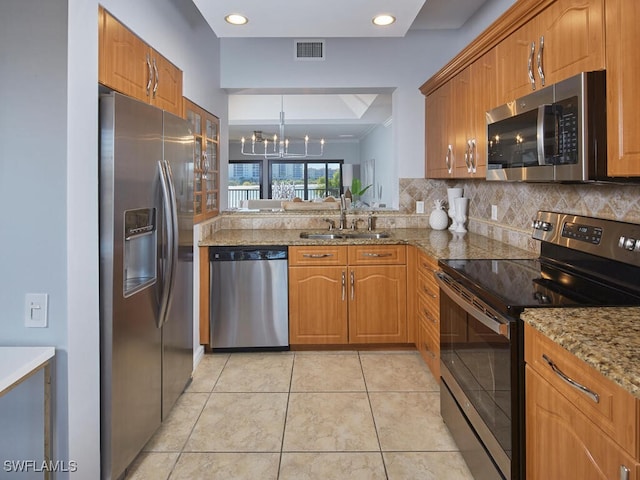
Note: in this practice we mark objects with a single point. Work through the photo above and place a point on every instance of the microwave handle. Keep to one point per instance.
(547, 113)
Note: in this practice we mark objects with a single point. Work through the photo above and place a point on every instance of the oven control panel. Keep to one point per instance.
(584, 233)
(619, 241)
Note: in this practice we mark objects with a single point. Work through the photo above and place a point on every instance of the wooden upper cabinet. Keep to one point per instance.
(455, 121)
(206, 166)
(623, 95)
(565, 39)
(440, 156)
(130, 66)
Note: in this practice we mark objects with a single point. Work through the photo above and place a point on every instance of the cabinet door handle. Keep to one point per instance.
(344, 284)
(624, 473)
(317, 255)
(448, 158)
(352, 279)
(150, 71)
(155, 71)
(540, 53)
(467, 156)
(589, 393)
(369, 254)
(474, 154)
(532, 79)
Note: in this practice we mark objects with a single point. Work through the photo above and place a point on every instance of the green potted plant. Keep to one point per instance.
(357, 190)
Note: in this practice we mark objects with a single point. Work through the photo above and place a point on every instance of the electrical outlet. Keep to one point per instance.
(494, 212)
(35, 310)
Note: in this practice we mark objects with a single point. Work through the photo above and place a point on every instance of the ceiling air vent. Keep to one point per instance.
(309, 50)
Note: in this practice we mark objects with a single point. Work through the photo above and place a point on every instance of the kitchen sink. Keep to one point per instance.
(344, 235)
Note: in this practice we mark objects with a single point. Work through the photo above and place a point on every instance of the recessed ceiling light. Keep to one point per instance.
(236, 19)
(382, 20)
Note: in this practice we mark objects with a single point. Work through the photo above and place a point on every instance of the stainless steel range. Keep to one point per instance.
(583, 262)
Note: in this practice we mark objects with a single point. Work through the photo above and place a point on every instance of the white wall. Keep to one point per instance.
(378, 145)
(33, 218)
(49, 190)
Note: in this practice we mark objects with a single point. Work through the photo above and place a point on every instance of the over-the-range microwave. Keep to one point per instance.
(556, 134)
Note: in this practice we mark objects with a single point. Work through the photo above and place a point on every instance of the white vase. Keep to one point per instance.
(438, 220)
(452, 194)
(461, 210)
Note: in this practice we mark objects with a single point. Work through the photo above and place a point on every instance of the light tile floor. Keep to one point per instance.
(305, 416)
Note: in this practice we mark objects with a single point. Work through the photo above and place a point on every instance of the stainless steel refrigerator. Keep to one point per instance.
(146, 273)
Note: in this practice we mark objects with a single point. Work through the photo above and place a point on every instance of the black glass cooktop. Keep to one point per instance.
(513, 285)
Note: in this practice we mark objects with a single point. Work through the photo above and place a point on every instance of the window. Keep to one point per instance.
(305, 179)
(245, 181)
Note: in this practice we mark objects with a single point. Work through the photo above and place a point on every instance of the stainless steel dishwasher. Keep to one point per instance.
(249, 292)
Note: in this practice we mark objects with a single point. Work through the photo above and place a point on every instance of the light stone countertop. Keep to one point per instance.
(438, 244)
(608, 339)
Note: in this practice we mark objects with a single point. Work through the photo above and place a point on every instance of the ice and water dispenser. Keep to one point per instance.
(140, 249)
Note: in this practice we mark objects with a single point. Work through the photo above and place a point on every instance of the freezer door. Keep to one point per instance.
(130, 145)
(177, 328)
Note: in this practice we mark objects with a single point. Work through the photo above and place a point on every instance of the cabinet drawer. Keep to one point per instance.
(429, 290)
(429, 348)
(615, 412)
(426, 313)
(377, 254)
(427, 265)
(314, 255)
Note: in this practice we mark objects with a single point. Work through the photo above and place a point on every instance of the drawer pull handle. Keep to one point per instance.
(426, 290)
(589, 393)
(317, 255)
(429, 317)
(368, 254)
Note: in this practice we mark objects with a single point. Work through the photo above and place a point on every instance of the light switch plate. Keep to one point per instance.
(35, 310)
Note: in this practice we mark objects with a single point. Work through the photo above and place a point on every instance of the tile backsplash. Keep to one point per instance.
(518, 203)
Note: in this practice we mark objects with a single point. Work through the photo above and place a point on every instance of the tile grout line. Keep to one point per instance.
(373, 417)
(210, 393)
(286, 412)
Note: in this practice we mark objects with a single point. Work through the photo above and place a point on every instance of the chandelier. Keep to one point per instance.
(278, 146)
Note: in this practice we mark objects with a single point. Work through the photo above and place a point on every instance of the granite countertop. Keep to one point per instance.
(608, 339)
(438, 244)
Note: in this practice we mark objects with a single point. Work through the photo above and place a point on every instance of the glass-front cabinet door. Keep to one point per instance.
(206, 168)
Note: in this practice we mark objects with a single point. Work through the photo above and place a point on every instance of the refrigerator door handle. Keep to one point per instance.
(170, 218)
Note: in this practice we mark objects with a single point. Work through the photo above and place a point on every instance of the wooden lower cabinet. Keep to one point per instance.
(427, 311)
(317, 306)
(568, 433)
(563, 443)
(378, 304)
(335, 301)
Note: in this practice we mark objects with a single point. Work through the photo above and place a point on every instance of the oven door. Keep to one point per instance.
(482, 382)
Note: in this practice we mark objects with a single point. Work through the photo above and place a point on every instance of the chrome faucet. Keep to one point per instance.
(343, 213)
(370, 222)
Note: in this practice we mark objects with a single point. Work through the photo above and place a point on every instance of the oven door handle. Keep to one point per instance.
(464, 301)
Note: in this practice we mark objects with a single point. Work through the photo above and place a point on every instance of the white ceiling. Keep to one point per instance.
(330, 115)
(333, 18)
